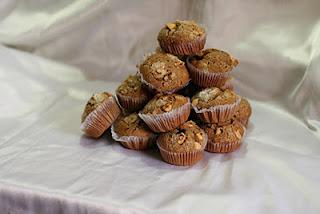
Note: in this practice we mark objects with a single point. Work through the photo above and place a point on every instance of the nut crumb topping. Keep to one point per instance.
(94, 102)
(214, 60)
(164, 103)
(214, 96)
(131, 125)
(187, 137)
(171, 26)
(227, 133)
(132, 86)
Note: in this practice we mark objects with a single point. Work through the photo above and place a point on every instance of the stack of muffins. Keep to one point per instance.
(181, 100)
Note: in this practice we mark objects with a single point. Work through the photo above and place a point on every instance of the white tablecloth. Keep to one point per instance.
(47, 166)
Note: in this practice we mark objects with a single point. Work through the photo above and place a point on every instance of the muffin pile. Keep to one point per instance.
(181, 100)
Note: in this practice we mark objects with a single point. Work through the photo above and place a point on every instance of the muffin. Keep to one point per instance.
(183, 146)
(225, 138)
(131, 95)
(243, 112)
(182, 38)
(214, 105)
(164, 73)
(211, 67)
(166, 112)
(132, 132)
(100, 112)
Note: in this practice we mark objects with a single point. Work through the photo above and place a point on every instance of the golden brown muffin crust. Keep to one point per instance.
(164, 103)
(131, 125)
(187, 137)
(228, 133)
(210, 97)
(94, 102)
(214, 61)
(132, 87)
(181, 31)
(164, 71)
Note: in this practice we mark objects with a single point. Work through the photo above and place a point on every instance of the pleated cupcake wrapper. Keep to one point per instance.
(134, 142)
(206, 79)
(100, 119)
(132, 104)
(216, 114)
(225, 147)
(184, 48)
(154, 89)
(181, 159)
(167, 121)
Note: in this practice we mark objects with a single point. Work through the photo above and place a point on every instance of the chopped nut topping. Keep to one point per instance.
(123, 91)
(167, 107)
(238, 134)
(171, 26)
(197, 145)
(160, 102)
(199, 137)
(218, 131)
(131, 118)
(182, 137)
(195, 101)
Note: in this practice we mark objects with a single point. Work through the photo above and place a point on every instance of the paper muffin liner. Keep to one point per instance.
(225, 147)
(183, 48)
(132, 104)
(134, 142)
(154, 89)
(217, 114)
(100, 119)
(169, 120)
(182, 158)
(206, 79)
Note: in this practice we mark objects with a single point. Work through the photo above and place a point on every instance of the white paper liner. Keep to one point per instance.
(101, 118)
(184, 48)
(169, 120)
(133, 142)
(225, 147)
(214, 113)
(205, 78)
(183, 158)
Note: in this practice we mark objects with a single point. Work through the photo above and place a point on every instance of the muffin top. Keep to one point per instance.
(94, 102)
(224, 134)
(132, 87)
(210, 97)
(165, 72)
(214, 61)
(187, 137)
(181, 31)
(131, 125)
(244, 109)
(164, 103)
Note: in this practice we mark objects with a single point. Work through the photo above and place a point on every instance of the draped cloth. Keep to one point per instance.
(55, 54)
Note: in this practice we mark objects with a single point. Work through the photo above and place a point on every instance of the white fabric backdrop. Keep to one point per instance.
(46, 166)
